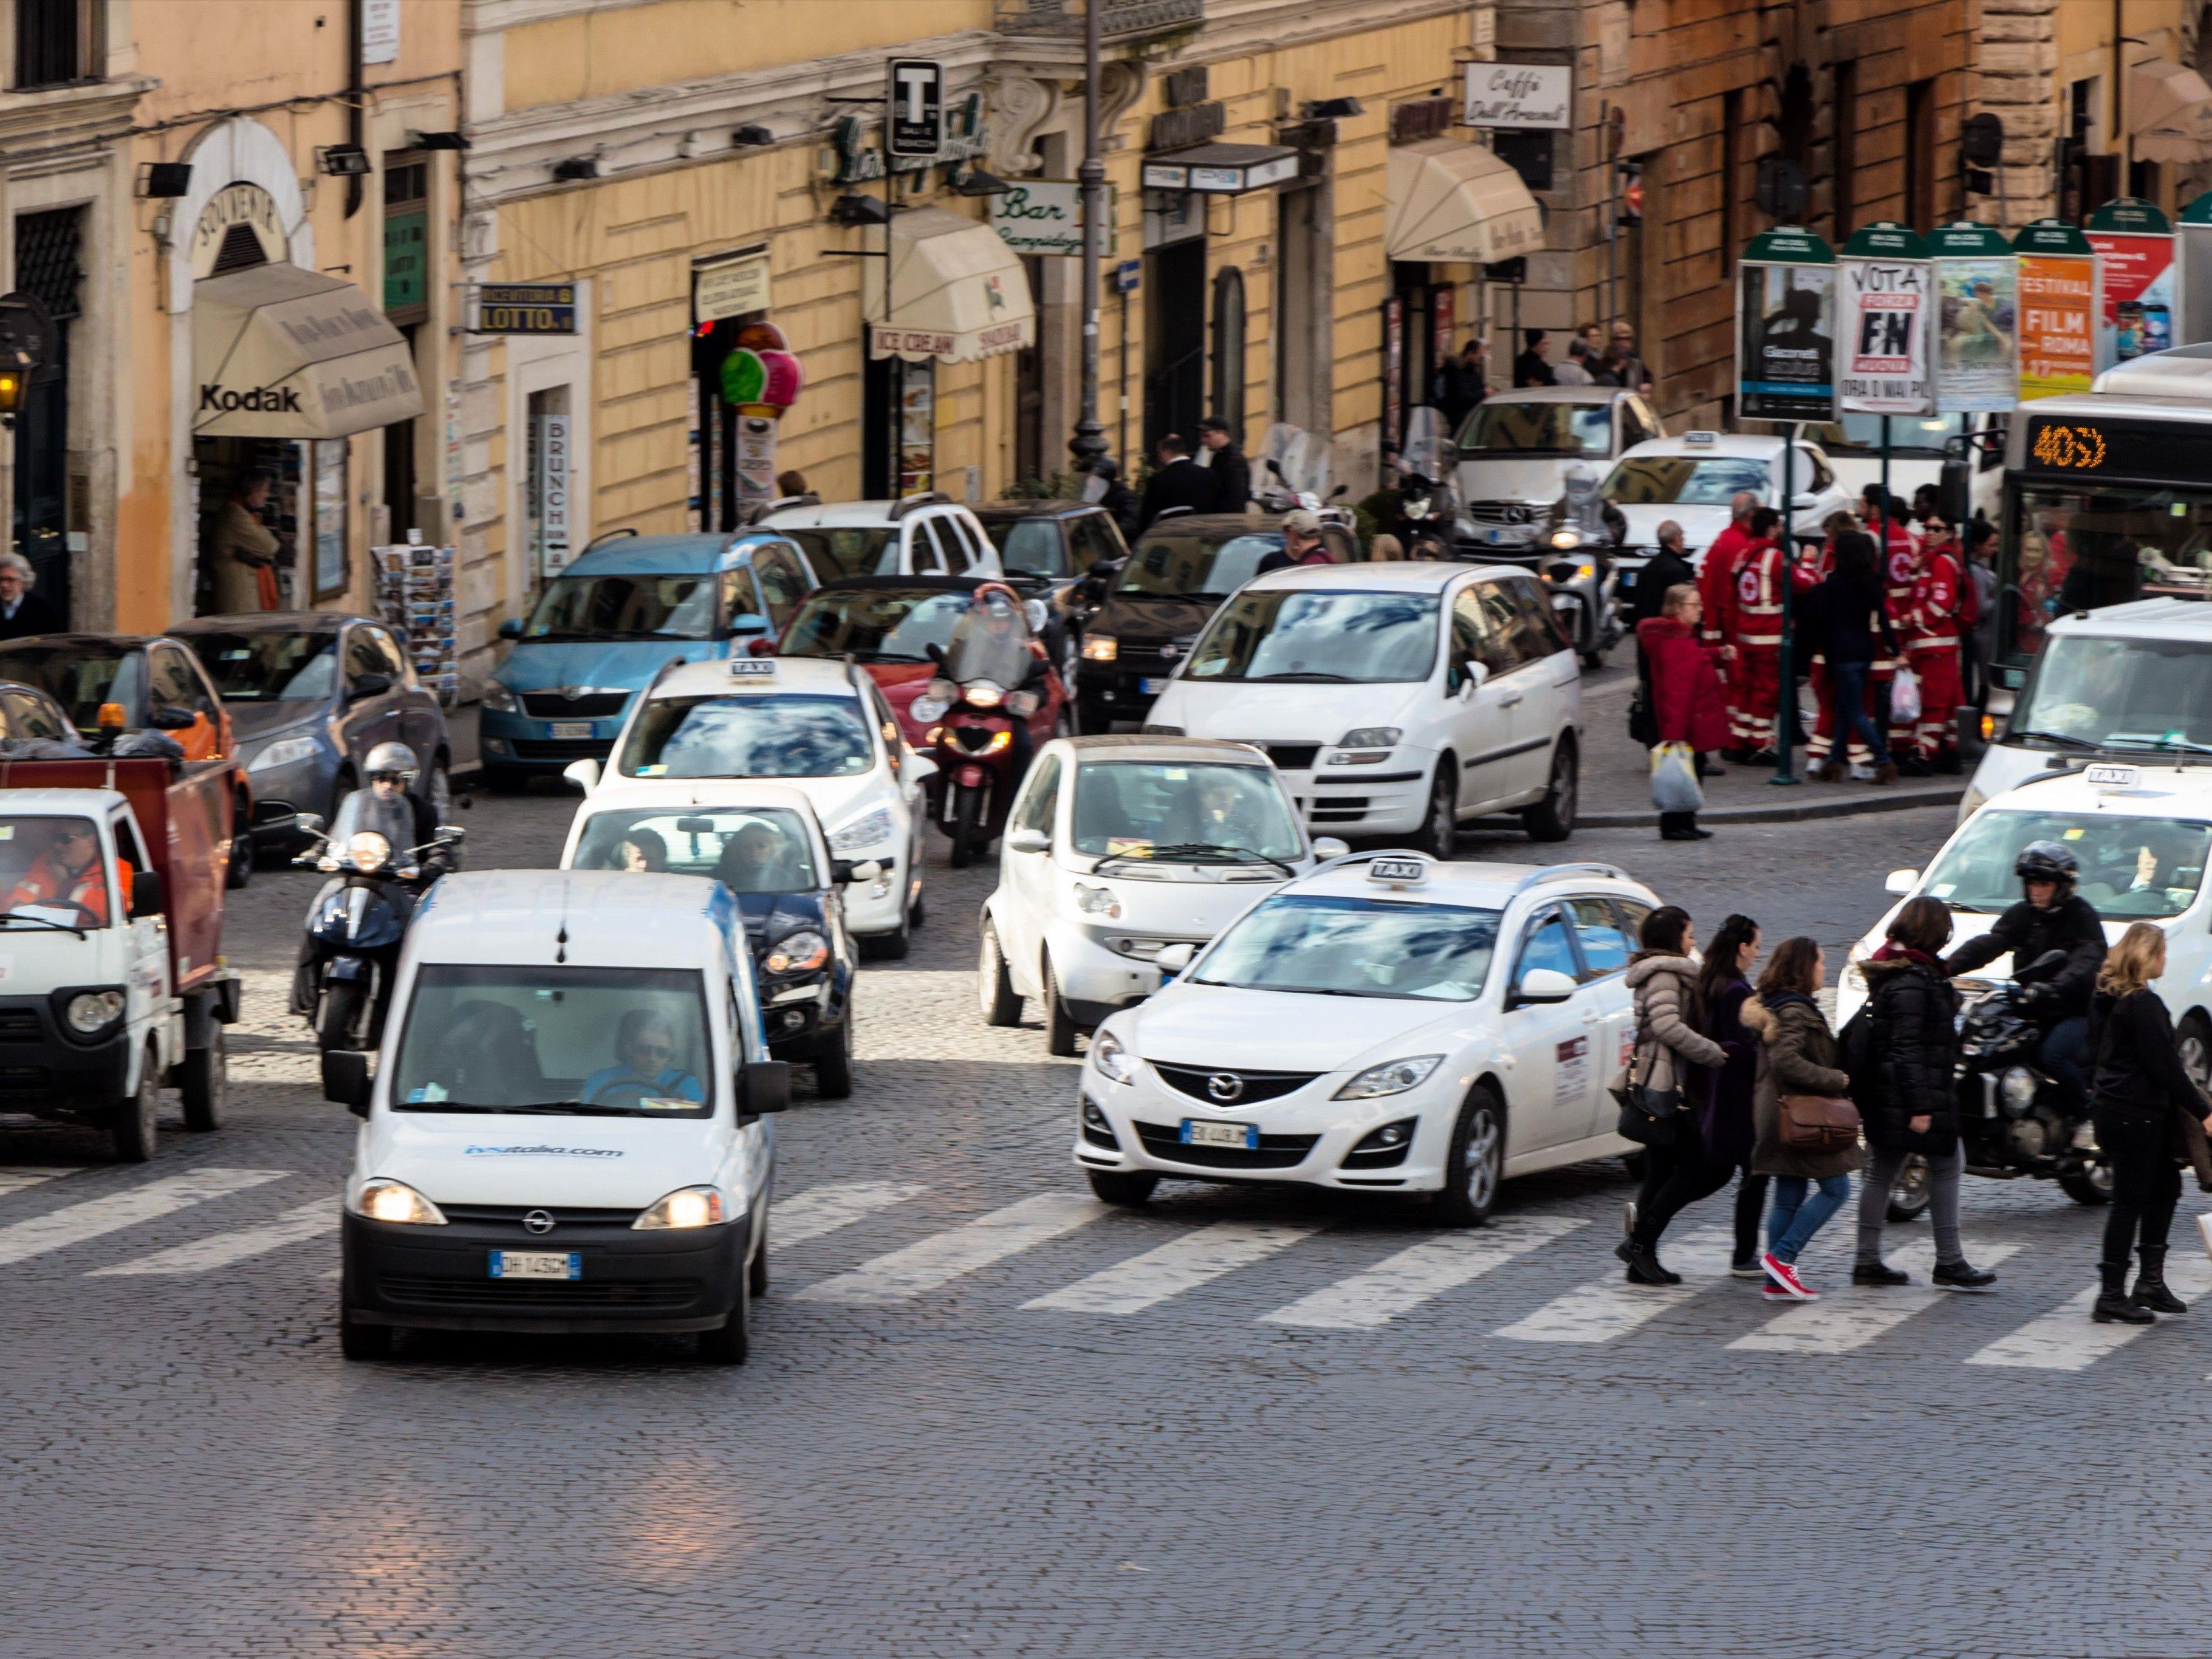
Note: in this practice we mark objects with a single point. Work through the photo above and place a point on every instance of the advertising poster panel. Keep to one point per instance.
(1786, 328)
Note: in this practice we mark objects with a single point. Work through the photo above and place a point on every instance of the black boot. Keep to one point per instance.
(2113, 1305)
(2150, 1285)
(1642, 1261)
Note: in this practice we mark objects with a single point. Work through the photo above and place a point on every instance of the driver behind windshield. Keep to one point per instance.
(757, 860)
(2052, 917)
(645, 1052)
(68, 874)
(1223, 815)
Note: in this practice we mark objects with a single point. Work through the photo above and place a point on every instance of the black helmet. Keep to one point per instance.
(2046, 860)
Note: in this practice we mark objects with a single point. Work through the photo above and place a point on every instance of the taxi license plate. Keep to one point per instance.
(1195, 1134)
(1151, 688)
(571, 728)
(536, 1264)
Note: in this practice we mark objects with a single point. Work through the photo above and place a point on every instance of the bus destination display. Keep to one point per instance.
(2072, 446)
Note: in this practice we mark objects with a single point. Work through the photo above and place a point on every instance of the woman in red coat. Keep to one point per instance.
(1687, 703)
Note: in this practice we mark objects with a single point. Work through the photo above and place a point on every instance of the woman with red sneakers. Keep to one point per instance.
(1797, 1056)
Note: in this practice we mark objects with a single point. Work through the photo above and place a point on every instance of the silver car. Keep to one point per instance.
(1515, 448)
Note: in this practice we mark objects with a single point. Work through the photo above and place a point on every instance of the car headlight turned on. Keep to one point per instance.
(869, 829)
(801, 952)
(383, 1200)
(1101, 648)
(1391, 1077)
(498, 699)
(1116, 1063)
(92, 1010)
(687, 1207)
(285, 751)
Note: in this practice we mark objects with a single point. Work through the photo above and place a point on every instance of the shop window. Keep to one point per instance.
(329, 507)
(545, 488)
(406, 237)
(898, 447)
(54, 42)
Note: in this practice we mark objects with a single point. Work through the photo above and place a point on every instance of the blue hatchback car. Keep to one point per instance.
(604, 627)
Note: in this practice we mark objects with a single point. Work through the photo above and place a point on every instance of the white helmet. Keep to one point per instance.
(392, 759)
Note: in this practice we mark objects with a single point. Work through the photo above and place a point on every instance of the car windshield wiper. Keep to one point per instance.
(42, 922)
(1194, 850)
(545, 1108)
(2129, 740)
(2059, 737)
(1338, 679)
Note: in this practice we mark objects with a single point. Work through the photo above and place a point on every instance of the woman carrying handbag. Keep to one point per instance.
(1663, 980)
(1807, 1129)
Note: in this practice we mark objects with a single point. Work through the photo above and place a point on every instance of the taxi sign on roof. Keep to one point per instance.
(2114, 777)
(752, 668)
(1399, 872)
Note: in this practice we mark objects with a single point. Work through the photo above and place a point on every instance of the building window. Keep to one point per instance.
(1920, 155)
(49, 265)
(1843, 163)
(53, 44)
(1731, 165)
(1229, 349)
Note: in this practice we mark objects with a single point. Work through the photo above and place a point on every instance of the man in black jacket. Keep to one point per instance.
(1181, 481)
(1230, 471)
(1665, 568)
(2052, 917)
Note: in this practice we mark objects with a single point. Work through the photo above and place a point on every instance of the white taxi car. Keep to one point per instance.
(1386, 1024)
(2140, 834)
(1118, 847)
(823, 728)
(1396, 699)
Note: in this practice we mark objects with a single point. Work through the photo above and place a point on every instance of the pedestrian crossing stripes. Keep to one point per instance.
(1850, 1316)
(1610, 1308)
(1401, 1283)
(2066, 1339)
(223, 1249)
(822, 1210)
(1181, 1264)
(112, 1211)
(15, 1178)
(937, 1260)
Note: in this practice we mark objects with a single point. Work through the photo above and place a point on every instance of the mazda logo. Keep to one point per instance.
(1225, 1086)
(538, 1221)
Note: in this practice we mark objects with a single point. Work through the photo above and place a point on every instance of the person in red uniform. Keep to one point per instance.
(1932, 620)
(1900, 575)
(68, 874)
(1755, 690)
(1716, 574)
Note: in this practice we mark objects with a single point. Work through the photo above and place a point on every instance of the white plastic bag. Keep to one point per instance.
(1904, 698)
(1675, 786)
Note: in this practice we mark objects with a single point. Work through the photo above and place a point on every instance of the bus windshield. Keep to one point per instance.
(2069, 549)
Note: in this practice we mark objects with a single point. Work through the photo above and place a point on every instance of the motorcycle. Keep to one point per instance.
(1585, 592)
(977, 707)
(2014, 1116)
(1429, 499)
(357, 923)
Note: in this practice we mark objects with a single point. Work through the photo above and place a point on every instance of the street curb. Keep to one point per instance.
(1851, 806)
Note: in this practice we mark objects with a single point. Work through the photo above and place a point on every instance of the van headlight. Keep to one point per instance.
(801, 952)
(498, 699)
(1391, 1077)
(687, 1207)
(869, 829)
(382, 1200)
(89, 1012)
(285, 751)
(1108, 1055)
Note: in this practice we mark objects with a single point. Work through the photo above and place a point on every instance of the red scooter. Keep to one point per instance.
(994, 686)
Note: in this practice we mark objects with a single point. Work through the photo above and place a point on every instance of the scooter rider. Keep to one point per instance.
(1602, 524)
(2052, 917)
(387, 807)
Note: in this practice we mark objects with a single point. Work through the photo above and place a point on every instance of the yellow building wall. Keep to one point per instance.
(596, 54)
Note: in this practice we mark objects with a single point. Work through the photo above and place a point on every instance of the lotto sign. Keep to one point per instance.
(1886, 311)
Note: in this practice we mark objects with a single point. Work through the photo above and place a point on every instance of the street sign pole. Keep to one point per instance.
(1785, 699)
(1089, 440)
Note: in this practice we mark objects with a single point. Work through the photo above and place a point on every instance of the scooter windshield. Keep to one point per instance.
(1423, 454)
(366, 812)
(990, 642)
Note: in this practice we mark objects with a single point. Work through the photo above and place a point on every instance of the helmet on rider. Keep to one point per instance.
(2047, 861)
(392, 760)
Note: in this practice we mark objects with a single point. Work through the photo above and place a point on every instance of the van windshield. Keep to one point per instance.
(558, 1042)
(2132, 868)
(2092, 690)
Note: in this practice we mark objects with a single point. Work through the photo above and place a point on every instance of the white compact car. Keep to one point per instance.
(1118, 847)
(1399, 699)
(821, 726)
(925, 535)
(566, 1131)
(2140, 834)
(2132, 679)
(1387, 1024)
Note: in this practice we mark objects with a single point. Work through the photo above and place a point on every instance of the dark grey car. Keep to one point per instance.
(309, 694)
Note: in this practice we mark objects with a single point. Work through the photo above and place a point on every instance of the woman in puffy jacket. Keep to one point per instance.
(1908, 1101)
(1663, 979)
(1796, 1056)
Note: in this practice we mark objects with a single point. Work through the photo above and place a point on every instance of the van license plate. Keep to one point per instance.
(1195, 1134)
(571, 728)
(536, 1264)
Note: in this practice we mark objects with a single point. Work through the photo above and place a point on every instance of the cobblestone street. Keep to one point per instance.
(1242, 1423)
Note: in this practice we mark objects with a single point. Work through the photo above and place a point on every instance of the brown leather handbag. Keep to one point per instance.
(1818, 1124)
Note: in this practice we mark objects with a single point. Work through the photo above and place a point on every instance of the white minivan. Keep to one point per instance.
(566, 1130)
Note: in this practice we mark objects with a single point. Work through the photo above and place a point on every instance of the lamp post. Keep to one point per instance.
(1089, 441)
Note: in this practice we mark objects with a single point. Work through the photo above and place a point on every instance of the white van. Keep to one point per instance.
(566, 1131)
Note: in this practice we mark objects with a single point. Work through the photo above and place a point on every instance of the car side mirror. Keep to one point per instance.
(1029, 840)
(748, 622)
(1546, 985)
(511, 629)
(275, 815)
(1102, 568)
(1899, 881)
(345, 1079)
(452, 833)
(919, 769)
(169, 718)
(309, 823)
(764, 1086)
(584, 774)
(146, 894)
(1328, 846)
(369, 685)
(1174, 958)
(1804, 500)
(844, 872)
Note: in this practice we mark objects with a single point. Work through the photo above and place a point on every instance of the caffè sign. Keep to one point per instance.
(233, 205)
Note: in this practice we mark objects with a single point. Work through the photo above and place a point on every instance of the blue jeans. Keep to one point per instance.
(1795, 1217)
(1847, 712)
(2064, 1050)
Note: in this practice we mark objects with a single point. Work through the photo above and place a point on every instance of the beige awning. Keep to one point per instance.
(2170, 108)
(1455, 203)
(957, 291)
(280, 352)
